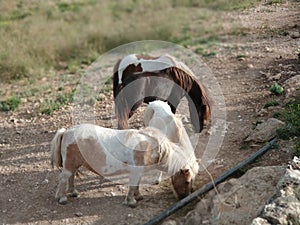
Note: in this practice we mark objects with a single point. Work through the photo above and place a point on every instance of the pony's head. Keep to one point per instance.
(183, 181)
(181, 166)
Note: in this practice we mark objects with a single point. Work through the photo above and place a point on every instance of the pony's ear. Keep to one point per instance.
(148, 116)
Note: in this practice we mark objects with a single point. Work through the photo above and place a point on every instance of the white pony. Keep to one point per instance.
(158, 114)
(106, 151)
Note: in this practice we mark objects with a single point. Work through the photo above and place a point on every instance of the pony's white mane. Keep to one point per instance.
(174, 159)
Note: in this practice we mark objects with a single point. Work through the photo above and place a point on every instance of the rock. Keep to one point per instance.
(79, 214)
(238, 201)
(291, 86)
(265, 131)
(284, 207)
(262, 112)
(260, 221)
(170, 222)
(275, 77)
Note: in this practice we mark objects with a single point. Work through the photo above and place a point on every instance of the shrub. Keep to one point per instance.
(10, 104)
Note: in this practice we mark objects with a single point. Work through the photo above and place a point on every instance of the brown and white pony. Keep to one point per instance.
(106, 151)
(139, 79)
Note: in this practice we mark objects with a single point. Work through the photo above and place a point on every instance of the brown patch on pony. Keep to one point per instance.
(96, 159)
(75, 160)
(131, 69)
(148, 156)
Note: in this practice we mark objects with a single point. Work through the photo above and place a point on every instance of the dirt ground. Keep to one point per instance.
(28, 182)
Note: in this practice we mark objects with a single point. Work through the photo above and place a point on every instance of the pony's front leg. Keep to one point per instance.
(62, 188)
(134, 194)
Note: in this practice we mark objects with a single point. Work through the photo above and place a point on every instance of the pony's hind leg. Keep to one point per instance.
(63, 186)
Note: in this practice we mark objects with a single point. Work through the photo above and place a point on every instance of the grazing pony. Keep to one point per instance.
(139, 79)
(158, 115)
(106, 151)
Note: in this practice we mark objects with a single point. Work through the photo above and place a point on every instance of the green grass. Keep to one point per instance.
(54, 103)
(271, 2)
(271, 103)
(291, 116)
(10, 103)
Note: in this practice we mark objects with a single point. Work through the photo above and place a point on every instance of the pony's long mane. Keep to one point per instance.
(173, 159)
(187, 80)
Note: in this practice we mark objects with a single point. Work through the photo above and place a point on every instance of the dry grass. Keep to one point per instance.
(39, 36)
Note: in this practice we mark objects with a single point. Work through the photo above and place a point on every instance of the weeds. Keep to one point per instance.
(291, 117)
(276, 89)
(271, 103)
(52, 104)
(10, 104)
(271, 2)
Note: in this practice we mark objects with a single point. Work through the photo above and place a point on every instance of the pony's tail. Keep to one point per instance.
(56, 159)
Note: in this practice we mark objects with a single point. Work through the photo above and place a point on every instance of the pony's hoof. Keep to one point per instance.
(74, 194)
(63, 200)
(139, 197)
(131, 204)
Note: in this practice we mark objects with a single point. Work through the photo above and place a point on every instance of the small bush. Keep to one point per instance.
(271, 103)
(291, 117)
(276, 89)
(10, 104)
(50, 105)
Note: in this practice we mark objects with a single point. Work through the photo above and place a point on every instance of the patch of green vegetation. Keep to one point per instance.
(298, 55)
(106, 89)
(276, 89)
(64, 7)
(291, 116)
(10, 103)
(217, 4)
(244, 146)
(275, 146)
(276, 115)
(271, 2)
(52, 104)
(271, 103)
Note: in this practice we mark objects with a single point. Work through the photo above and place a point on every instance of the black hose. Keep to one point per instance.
(209, 186)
